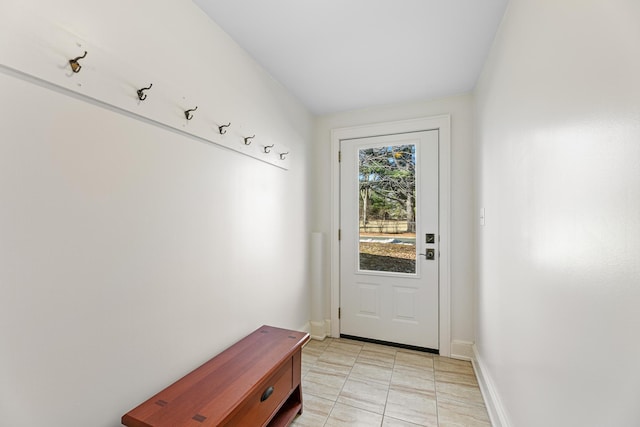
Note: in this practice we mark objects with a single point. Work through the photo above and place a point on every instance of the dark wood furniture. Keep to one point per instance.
(255, 382)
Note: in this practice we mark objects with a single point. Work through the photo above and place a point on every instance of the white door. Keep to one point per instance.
(389, 238)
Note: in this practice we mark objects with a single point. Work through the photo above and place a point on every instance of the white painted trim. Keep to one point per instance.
(490, 395)
(318, 331)
(334, 245)
(462, 350)
(322, 331)
(443, 125)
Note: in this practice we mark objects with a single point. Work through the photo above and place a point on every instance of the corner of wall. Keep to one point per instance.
(462, 350)
(321, 330)
(492, 401)
(318, 330)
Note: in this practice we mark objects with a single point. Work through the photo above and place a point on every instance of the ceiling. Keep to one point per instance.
(338, 55)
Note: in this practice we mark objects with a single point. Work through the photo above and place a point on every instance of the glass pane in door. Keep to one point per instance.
(387, 185)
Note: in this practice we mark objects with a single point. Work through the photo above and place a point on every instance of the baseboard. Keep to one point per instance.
(492, 401)
(318, 331)
(462, 350)
(327, 326)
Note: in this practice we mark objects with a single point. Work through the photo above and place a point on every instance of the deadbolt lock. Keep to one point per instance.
(430, 238)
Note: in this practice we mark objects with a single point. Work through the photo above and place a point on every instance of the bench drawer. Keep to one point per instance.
(270, 394)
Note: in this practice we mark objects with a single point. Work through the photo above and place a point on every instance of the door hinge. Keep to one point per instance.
(339, 312)
(339, 234)
(339, 156)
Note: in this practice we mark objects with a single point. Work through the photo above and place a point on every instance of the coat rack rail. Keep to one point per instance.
(51, 54)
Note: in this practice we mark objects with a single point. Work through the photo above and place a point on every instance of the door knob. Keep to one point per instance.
(430, 254)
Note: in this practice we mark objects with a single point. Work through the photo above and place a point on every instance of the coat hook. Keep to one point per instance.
(188, 114)
(141, 95)
(268, 148)
(222, 129)
(283, 155)
(75, 65)
(247, 140)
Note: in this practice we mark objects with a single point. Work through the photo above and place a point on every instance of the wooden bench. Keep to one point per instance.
(256, 382)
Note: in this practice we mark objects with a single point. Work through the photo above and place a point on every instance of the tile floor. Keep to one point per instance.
(351, 384)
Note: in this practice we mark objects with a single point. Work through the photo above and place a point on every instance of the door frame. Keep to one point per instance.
(441, 123)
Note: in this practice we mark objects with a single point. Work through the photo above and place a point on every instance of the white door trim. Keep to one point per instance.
(443, 125)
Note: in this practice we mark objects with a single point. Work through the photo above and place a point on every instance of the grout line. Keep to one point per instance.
(393, 369)
(386, 399)
(341, 388)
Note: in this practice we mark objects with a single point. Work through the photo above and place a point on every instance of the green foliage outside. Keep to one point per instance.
(387, 178)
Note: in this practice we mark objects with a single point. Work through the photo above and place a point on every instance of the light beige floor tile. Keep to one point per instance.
(349, 341)
(364, 394)
(418, 407)
(414, 359)
(446, 364)
(332, 357)
(323, 383)
(317, 344)
(456, 414)
(375, 357)
(367, 371)
(413, 378)
(350, 383)
(425, 372)
(315, 348)
(312, 353)
(343, 348)
(378, 348)
(419, 353)
(346, 346)
(315, 412)
(304, 369)
(456, 378)
(347, 416)
(334, 366)
(459, 393)
(392, 422)
(310, 358)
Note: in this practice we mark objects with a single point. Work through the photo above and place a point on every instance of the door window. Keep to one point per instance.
(387, 208)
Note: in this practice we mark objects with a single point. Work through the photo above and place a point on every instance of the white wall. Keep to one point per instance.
(129, 253)
(462, 215)
(558, 132)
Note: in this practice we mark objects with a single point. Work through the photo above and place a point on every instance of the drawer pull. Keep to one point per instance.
(266, 394)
